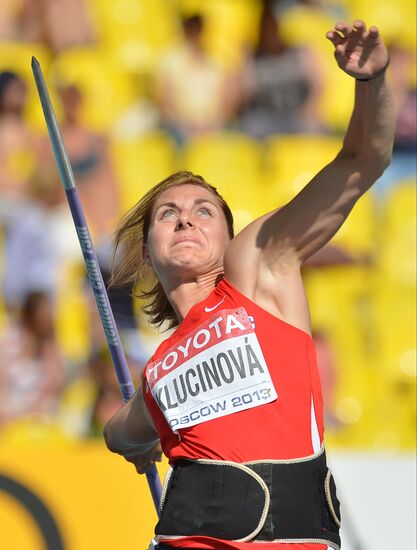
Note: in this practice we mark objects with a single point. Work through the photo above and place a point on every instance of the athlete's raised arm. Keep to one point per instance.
(282, 240)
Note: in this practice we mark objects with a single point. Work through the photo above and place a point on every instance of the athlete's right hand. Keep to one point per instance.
(143, 462)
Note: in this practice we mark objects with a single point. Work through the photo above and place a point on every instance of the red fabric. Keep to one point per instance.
(277, 430)
(207, 543)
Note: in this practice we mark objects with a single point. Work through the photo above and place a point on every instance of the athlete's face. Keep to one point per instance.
(188, 232)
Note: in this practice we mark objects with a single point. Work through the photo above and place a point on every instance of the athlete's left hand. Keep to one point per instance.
(359, 52)
(143, 462)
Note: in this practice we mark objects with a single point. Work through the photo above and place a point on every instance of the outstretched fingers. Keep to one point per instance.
(335, 38)
(344, 28)
(373, 34)
(343, 32)
(360, 27)
(359, 51)
(340, 35)
(357, 31)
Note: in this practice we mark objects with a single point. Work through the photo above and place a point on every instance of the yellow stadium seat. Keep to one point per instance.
(17, 57)
(76, 405)
(141, 163)
(396, 414)
(337, 98)
(395, 321)
(293, 160)
(230, 27)
(398, 228)
(395, 287)
(396, 20)
(396, 356)
(303, 25)
(230, 24)
(232, 163)
(339, 301)
(134, 33)
(227, 153)
(358, 234)
(340, 308)
(72, 319)
(340, 311)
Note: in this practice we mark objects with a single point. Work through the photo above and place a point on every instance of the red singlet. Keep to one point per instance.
(234, 382)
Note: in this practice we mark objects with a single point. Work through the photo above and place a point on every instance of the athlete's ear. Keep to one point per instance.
(145, 256)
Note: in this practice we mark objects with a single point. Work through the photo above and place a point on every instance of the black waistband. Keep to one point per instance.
(262, 501)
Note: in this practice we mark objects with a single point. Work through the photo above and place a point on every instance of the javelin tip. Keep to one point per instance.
(35, 62)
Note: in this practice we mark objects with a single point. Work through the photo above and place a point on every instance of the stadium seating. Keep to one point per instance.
(72, 320)
(396, 21)
(395, 281)
(231, 27)
(231, 161)
(398, 227)
(366, 309)
(291, 161)
(107, 90)
(135, 33)
(141, 163)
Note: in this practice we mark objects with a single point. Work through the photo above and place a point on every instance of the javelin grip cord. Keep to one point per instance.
(93, 270)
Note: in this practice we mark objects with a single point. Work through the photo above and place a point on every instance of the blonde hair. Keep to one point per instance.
(132, 234)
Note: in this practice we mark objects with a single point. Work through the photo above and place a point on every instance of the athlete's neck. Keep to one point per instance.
(184, 295)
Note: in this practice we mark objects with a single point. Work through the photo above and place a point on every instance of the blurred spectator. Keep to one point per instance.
(58, 24)
(16, 142)
(285, 84)
(195, 94)
(122, 304)
(404, 161)
(328, 369)
(108, 399)
(94, 396)
(9, 14)
(31, 366)
(89, 154)
(31, 232)
(403, 62)
(93, 171)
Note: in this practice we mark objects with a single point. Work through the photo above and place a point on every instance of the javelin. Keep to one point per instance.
(93, 270)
